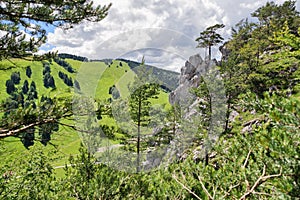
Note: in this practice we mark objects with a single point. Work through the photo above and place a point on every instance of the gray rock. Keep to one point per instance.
(190, 78)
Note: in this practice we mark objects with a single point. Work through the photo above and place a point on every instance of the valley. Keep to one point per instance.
(95, 79)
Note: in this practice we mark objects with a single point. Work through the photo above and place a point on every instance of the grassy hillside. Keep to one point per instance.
(169, 79)
(95, 80)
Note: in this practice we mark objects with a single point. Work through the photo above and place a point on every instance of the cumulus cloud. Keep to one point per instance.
(169, 26)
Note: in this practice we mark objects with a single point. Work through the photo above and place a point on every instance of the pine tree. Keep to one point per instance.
(10, 86)
(15, 77)
(209, 37)
(22, 18)
(28, 72)
(141, 92)
(25, 87)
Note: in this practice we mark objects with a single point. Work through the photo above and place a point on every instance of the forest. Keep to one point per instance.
(256, 154)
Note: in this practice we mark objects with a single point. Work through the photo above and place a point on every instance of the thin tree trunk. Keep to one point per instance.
(227, 113)
(206, 148)
(209, 52)
(138, 136)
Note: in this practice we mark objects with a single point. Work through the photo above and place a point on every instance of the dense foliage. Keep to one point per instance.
(21, 18)
(256, 157)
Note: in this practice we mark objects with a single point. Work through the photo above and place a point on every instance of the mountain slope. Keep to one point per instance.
(96, 81)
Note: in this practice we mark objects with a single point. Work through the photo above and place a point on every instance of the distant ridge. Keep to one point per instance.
(169, 78)
(74, 57)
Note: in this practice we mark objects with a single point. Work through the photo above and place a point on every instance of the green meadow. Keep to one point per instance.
(95, 79)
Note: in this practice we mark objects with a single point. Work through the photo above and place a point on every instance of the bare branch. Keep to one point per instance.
(205, 190)
(251, 122)
(259, 181)
(185, 187)
(247, 158)
(230, 188)
(6, 132)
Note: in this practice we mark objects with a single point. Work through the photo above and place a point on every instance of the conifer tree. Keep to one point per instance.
(141, 92)
(209, 37)
(23, 18)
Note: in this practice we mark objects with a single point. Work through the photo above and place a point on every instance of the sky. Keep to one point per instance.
(163, 31)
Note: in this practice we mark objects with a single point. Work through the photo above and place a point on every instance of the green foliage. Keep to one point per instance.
(34, 178)
(25, 87)
(263, 163)
(10, 86)
(209, 37)
(86, 179)
(258, 58)
(48, 78)
(70, 56)
(141, 91)
(15, 77)
(28, 72)
(67, 80)
(64, 64)
(19, 19)
(256, 158)
(276, 15)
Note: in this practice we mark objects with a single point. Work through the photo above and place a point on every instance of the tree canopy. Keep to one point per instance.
(209, 37)
(23, 29)
(24, 24)
(256, 157)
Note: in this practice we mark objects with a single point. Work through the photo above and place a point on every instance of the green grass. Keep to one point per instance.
(110, 77)
(123, 82)
(66, 142)
(95, 79)
(88, 77)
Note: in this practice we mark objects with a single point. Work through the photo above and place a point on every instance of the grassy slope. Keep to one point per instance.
(92, 76)
(110, 77)
(66, 140)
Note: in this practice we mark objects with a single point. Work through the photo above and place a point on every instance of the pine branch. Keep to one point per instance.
(259, 181)
(185, 187)
(14, 132)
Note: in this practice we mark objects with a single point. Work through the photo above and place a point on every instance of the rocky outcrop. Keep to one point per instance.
(186, 130)
(190, 77)
(225, 52)
(195, 70)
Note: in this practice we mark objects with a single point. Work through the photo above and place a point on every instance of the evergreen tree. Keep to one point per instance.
(32, 93)
(25, 87)
(252, 61)
(209, 37)
(22, 18)
(28, 72)
(15, 77)
(27, 138)
(141, 91)
(10, 86)
(51, 82)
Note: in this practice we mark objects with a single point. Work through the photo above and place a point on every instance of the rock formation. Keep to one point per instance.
(195, 70)
(190, 78)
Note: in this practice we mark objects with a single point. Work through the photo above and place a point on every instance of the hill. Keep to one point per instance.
(169, 78)
(57, 79)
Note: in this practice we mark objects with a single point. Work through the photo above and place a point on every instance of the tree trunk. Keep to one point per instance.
(227, 113)
(138, 136)
(209, 52)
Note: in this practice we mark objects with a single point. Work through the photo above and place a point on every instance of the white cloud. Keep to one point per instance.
(252, 5)
(168, 25)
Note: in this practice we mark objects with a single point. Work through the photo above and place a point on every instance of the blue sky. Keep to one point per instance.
(161, 30)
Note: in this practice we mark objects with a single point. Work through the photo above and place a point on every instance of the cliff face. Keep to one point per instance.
(187, 127)
(190, 77)
(192, 73)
